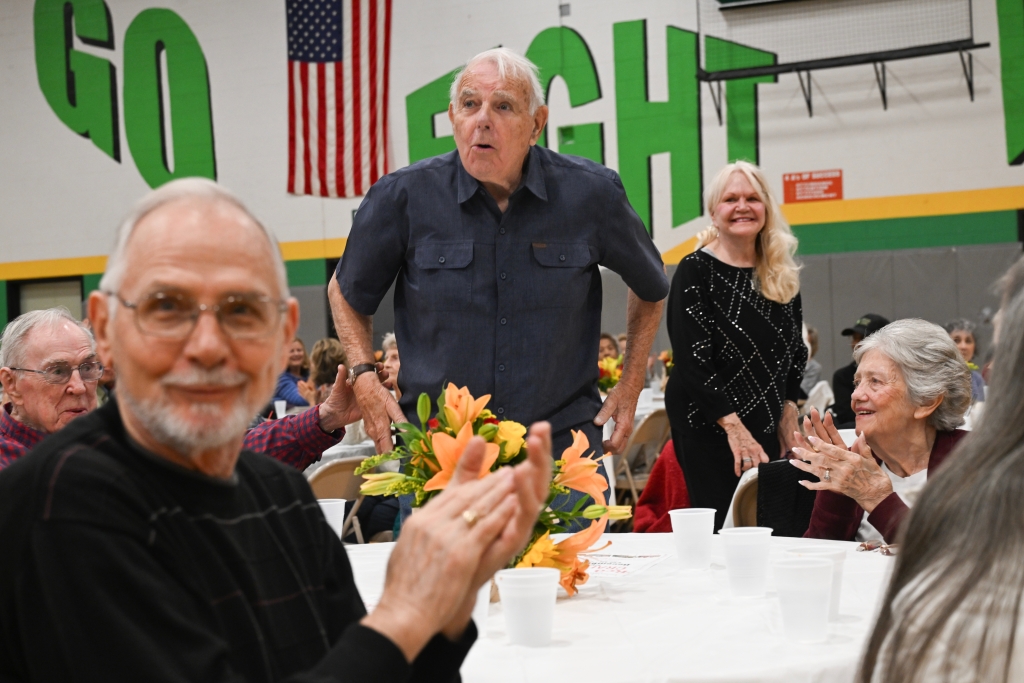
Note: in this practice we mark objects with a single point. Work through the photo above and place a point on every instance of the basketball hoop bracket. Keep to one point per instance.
(806, 89)
(880, 79)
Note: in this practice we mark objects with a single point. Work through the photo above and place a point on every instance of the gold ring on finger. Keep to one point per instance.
(470, 515)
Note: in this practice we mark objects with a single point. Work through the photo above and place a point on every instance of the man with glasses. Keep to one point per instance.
(142, 543)
(49, 370)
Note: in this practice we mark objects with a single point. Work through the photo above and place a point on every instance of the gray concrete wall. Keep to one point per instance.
(312, 313)
(935, 284)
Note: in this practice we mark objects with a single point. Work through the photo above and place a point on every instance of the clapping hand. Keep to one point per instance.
(853, 472)
(455, 543)
(307, 390)
(824, 429)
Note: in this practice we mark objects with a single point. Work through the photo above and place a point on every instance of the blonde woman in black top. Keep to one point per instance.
(735, 319)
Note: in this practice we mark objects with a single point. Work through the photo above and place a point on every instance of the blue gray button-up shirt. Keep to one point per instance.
(507, 304)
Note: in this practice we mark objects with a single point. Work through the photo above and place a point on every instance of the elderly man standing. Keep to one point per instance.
(49, 371)
(496, 248)
(142, 543)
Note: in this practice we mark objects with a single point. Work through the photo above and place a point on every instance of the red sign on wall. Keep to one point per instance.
(812, 186)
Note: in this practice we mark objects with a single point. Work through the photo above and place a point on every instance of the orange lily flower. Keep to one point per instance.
(460, 407)
(564, 555)
(449, 450)
(579, 472)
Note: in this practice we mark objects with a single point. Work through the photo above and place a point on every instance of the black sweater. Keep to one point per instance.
(734, 350)
(117, 565)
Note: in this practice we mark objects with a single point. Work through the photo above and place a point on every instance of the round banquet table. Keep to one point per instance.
(661, 623)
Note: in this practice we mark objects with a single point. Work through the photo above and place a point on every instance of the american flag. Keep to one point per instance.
(338, 60)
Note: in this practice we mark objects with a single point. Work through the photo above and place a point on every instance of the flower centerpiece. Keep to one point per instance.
(609, 373)
(431, 452)
(666, 358)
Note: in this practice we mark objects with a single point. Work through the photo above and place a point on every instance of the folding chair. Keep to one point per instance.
(338, 479)
(633, 466)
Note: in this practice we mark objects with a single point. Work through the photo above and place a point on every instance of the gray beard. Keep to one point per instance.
(209, 426)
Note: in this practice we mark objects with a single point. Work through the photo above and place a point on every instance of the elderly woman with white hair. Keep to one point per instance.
(952, 611)
(911, 391)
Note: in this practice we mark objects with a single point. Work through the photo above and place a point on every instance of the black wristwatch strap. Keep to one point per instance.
(358, 370)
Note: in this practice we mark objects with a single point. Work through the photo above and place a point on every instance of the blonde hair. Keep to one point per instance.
(776, 274)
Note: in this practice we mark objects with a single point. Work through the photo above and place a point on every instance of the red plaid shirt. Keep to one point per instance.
(295, 440)
(16, 438)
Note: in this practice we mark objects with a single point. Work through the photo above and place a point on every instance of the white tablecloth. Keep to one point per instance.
(662, 624)
(342, 452)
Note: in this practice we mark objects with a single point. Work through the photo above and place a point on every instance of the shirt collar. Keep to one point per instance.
(532, 181)
(18, 431)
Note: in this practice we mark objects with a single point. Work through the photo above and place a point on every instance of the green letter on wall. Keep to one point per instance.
(420, 108)
(80, 88)
(647, 128)
(740, 93)
(561, 51)
(153, 33)
(1011, 55)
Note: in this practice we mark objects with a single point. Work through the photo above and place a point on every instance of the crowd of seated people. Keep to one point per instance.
(948, 497)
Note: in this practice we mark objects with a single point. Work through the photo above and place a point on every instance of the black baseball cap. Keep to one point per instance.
(866, 325)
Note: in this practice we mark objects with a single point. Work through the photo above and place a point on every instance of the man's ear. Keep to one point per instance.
(540, 119)
(99, 315)
(10, 384)
(291, 326)
(451, 114)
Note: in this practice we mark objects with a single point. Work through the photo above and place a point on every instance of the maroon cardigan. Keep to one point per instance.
(836, 517)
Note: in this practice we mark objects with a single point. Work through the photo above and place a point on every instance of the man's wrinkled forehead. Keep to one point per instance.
(193, 233)
(483, 78)
(62, 342)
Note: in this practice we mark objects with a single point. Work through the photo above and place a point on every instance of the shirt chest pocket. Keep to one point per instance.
(560, 274)
(444, 274)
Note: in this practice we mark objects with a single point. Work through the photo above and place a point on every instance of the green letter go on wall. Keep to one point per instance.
(647, 128)
(561, 51)
(154, 36)
(80, 88)
(1011, 53)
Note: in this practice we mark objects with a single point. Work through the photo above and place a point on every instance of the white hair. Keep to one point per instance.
(931, 366)
(512, 68)
(12, 344)
(184, 188)
(389, 342)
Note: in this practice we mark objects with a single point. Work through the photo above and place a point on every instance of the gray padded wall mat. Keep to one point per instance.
(935, 284)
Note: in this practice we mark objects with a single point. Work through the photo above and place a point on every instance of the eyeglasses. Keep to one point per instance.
(60, 373)
(173, 315)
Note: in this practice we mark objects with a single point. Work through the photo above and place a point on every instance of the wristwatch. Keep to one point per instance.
(358, 370)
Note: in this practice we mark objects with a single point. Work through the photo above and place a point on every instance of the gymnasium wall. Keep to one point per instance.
(932, 169)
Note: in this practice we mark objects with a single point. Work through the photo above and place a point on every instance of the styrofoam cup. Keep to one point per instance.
(528, 601)
(280, 408)
(746, 559)
(804, 585)
(838, 557)
(482, 606)
(692, 529)
(334, 511)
